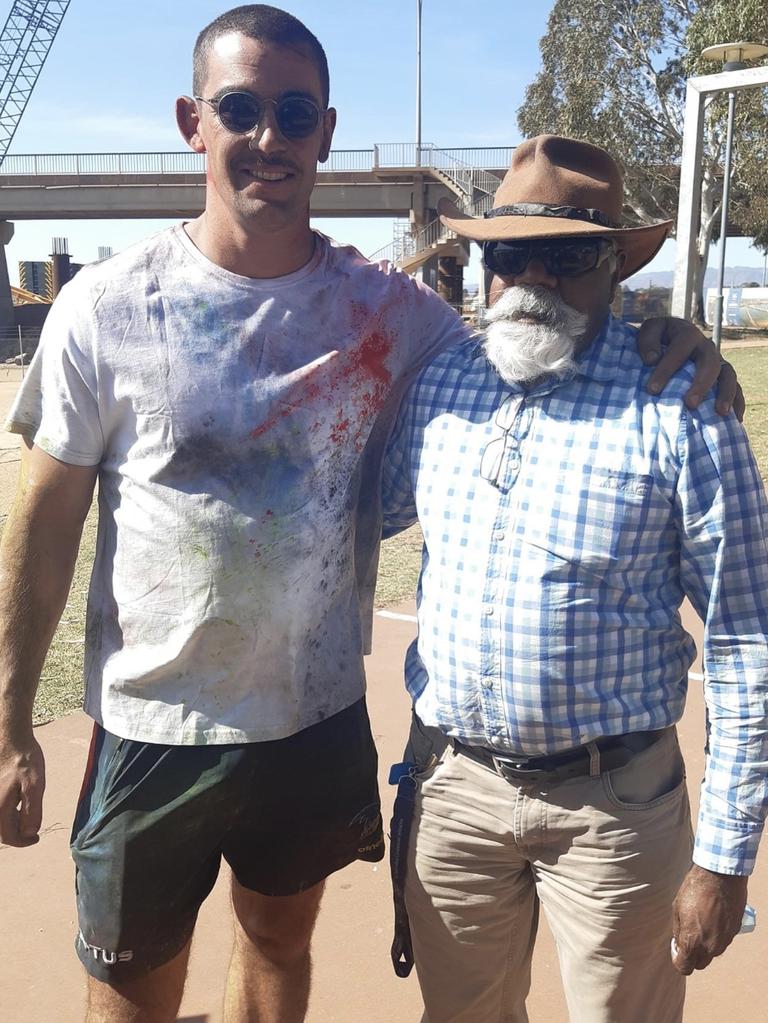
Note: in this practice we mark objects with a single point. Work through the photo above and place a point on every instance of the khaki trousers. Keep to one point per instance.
(603, 856)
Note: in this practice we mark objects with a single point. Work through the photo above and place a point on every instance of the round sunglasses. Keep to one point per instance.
(562, 257)
(240, 112)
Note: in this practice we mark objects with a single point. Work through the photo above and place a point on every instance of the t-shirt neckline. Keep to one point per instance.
(181, 237)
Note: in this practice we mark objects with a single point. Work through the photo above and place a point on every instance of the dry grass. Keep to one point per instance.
(752, 366)
(61, 683)
(399, 567)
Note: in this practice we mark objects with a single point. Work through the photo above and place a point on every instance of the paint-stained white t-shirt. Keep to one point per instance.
(238, 426)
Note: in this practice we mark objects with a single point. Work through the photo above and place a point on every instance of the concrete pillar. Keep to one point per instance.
(419, 215)
(60, 265)
(7, 316)
(450, 281)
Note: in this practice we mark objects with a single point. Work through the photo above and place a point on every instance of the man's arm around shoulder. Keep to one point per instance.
(37, 559)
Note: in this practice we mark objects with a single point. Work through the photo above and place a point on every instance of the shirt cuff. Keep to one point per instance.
(726, 847)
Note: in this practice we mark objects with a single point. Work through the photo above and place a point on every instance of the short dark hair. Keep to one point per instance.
(267, 24)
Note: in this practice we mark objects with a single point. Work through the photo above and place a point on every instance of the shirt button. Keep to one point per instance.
(488, 610)
(499, 534)
(487, 683)
(496, 740)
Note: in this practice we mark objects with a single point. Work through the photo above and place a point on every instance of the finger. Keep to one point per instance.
(739, 403)
(31, 813)
(669, 364)
(687, 959)
(727, 386)
(10, 819)
(680, 961)
(649, 339)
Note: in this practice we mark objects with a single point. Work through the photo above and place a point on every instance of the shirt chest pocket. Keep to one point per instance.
(596, 518)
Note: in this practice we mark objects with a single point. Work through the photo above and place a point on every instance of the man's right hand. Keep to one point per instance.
(22, 783)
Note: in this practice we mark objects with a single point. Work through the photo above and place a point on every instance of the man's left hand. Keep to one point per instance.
(683, 341)
(706, 917)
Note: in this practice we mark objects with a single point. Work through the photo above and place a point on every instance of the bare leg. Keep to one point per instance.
(151, 999)
(269, 973)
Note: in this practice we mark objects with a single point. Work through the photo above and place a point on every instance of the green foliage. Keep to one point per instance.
(614, 74)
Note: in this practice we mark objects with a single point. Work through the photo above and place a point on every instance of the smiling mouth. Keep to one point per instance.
(266, 175)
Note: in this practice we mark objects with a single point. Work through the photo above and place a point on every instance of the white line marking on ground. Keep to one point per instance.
(397, 617)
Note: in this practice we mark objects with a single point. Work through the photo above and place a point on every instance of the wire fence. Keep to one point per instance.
(18, 345)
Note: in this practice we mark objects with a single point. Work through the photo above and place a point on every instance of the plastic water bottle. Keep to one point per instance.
(749, 920)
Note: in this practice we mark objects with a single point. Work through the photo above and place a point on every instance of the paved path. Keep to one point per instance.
(40, 980)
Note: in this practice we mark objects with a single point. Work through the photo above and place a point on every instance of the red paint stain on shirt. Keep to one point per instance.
(339, 430)
(370, 356)
(358, 378)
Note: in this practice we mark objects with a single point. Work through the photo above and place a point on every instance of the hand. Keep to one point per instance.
(22, 783)
(687, 342)
(706, 917)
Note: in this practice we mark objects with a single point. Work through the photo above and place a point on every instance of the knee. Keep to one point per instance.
(278, 929)
(280, 942)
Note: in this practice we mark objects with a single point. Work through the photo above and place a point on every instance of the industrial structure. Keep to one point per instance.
(25, 43)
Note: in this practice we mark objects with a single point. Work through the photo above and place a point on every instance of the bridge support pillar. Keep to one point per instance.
(450, 281)
(7, 315)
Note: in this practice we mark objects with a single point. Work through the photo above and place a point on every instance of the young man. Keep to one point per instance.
(566, 513)
(231, 383)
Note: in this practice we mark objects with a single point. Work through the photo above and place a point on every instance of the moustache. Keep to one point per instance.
(534, 302)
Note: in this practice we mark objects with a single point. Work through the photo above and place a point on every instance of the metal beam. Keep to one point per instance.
(689, 204)
(136, 201)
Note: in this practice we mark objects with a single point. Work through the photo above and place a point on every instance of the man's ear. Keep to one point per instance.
(188, 120)
(329, 126)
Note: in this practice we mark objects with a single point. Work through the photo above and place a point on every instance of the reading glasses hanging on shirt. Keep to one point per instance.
(494, 452)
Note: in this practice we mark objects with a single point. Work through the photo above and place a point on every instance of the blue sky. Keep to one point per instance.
(115, 69)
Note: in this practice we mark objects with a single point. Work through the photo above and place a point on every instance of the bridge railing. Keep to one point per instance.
(387, 155)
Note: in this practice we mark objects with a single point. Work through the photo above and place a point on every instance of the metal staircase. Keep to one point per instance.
(25, 43)
(474, 189)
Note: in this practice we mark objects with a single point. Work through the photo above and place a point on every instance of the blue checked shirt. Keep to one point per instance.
(548, 597)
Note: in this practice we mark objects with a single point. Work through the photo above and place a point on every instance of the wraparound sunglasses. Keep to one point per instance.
(563, 257)
(240, 112)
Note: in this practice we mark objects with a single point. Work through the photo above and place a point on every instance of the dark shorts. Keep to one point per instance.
(153, 822)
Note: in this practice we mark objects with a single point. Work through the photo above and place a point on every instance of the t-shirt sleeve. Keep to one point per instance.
(57, 405)
(434, 326)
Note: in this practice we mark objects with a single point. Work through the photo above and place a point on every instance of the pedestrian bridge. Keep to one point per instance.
(387, 180)
(397, 180)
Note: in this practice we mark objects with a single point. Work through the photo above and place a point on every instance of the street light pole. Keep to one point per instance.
(734, 55)
(717, 326)
(418, 83)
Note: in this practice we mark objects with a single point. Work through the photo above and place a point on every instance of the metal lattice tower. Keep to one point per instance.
(25, 43)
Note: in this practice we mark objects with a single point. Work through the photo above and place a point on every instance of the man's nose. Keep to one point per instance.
(266, 136)
(536, 274)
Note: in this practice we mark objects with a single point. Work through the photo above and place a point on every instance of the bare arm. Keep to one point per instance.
(37, 559)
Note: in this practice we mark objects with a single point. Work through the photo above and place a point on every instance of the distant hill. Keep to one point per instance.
(734, 275)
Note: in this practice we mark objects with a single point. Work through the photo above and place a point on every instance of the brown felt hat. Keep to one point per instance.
(556, 188)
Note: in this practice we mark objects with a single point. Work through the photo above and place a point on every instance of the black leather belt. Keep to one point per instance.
(603, 754)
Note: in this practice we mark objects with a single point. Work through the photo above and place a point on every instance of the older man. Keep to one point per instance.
(566, 513)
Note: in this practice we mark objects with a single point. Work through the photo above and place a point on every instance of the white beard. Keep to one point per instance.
(522, 350)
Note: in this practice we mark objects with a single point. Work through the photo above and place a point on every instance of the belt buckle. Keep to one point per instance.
(517, 770)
